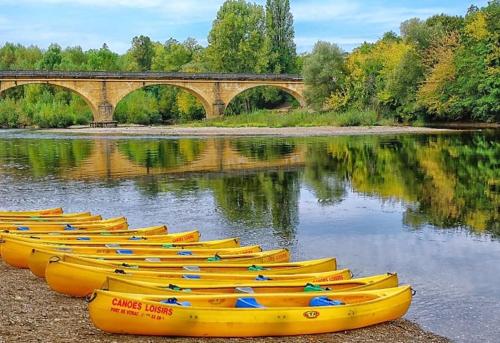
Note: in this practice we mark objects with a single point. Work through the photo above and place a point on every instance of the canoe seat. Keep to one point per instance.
(247, 290)
(184, 253)
(124, 251)
(69, 227)
(214, 258)
(247, 303)
(254, 268)
(262, 278)
(152, 259)
(23, 228)
(314, 288)
(191, 268)
(191, 277)
(324, 301)
(112, 245)
(83, 238)
(173, 301)
(167, 245)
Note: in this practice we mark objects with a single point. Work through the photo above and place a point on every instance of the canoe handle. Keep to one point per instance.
(413, 291)
(54, 259)
(90, 297)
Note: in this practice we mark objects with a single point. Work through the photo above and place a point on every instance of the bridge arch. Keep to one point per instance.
(132, 87)
(86, 97)
(296, 93)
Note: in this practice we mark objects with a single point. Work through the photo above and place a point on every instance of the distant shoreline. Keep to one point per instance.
(247, 131)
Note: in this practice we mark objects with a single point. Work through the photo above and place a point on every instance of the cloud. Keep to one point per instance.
(345, 22)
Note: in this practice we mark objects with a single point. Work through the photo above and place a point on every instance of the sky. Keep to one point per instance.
(90, 23)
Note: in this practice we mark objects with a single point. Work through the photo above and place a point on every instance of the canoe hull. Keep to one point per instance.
(118, 283)
(115, 313)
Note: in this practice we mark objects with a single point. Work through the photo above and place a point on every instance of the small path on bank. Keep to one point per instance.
(31, 312)
(247, 131)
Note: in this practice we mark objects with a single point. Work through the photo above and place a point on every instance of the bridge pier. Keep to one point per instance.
(218, 109)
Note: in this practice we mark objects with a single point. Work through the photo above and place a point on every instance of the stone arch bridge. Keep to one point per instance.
(103, 90)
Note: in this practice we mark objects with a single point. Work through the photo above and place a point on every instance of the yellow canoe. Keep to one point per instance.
(39, 258)
(137, 285)
(80, 280)
(119, 223)
(173, 240)
(17, 252)
(41, 220)
(147, 231)
(44, 212)
(77, 217)
(58, 274)
(220, 316)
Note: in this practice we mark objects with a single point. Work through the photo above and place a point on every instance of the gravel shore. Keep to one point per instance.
(246, 131)
(31, 312)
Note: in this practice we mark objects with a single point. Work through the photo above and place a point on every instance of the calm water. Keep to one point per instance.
(424, 206)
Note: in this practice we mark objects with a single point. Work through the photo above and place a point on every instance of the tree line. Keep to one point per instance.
(443, 68)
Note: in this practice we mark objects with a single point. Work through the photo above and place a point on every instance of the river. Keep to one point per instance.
(425, 206)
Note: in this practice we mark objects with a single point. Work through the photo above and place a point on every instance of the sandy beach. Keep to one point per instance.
(246, 131)
(31, 312)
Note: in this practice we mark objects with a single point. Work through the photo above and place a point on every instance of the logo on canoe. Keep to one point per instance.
(311, 314)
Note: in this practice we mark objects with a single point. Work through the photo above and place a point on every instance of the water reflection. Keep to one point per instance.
(445, 180)
(425, 206)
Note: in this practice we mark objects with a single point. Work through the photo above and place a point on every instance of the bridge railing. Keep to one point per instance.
(40, 74)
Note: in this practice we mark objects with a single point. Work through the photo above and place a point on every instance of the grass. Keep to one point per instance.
(267, 118)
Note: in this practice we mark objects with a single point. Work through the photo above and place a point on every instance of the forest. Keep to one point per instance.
(441, 69)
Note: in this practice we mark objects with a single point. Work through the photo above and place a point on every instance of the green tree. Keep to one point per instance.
(324, 73)
(103, 59)
(280, 33)
(173, 55)
(142, 52)
(237, 41)
(51, 58)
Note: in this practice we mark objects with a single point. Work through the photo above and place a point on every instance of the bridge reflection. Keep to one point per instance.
(130, 158)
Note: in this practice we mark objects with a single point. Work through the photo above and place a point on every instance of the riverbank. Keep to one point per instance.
(246, 131)
(31, 312)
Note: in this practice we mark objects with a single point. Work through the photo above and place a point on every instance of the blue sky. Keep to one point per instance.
(90, 23)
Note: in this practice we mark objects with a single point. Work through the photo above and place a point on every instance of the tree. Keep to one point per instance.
(51, 58)
(142, 51)
(173, 55)
(324, 73)
(103, 59)
(237, 41)
(477, 86)
(280, 33)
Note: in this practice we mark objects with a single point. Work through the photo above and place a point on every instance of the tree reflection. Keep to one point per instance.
(264, 199)
(269, 149)
(44, 157)
(161, 153)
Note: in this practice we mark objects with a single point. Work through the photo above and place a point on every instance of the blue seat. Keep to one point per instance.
(191, 277)
(83, 238)
(184, 253)
(124, 252)
(262, 278)
(324, 301)
(247, 303)
(23, 228)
